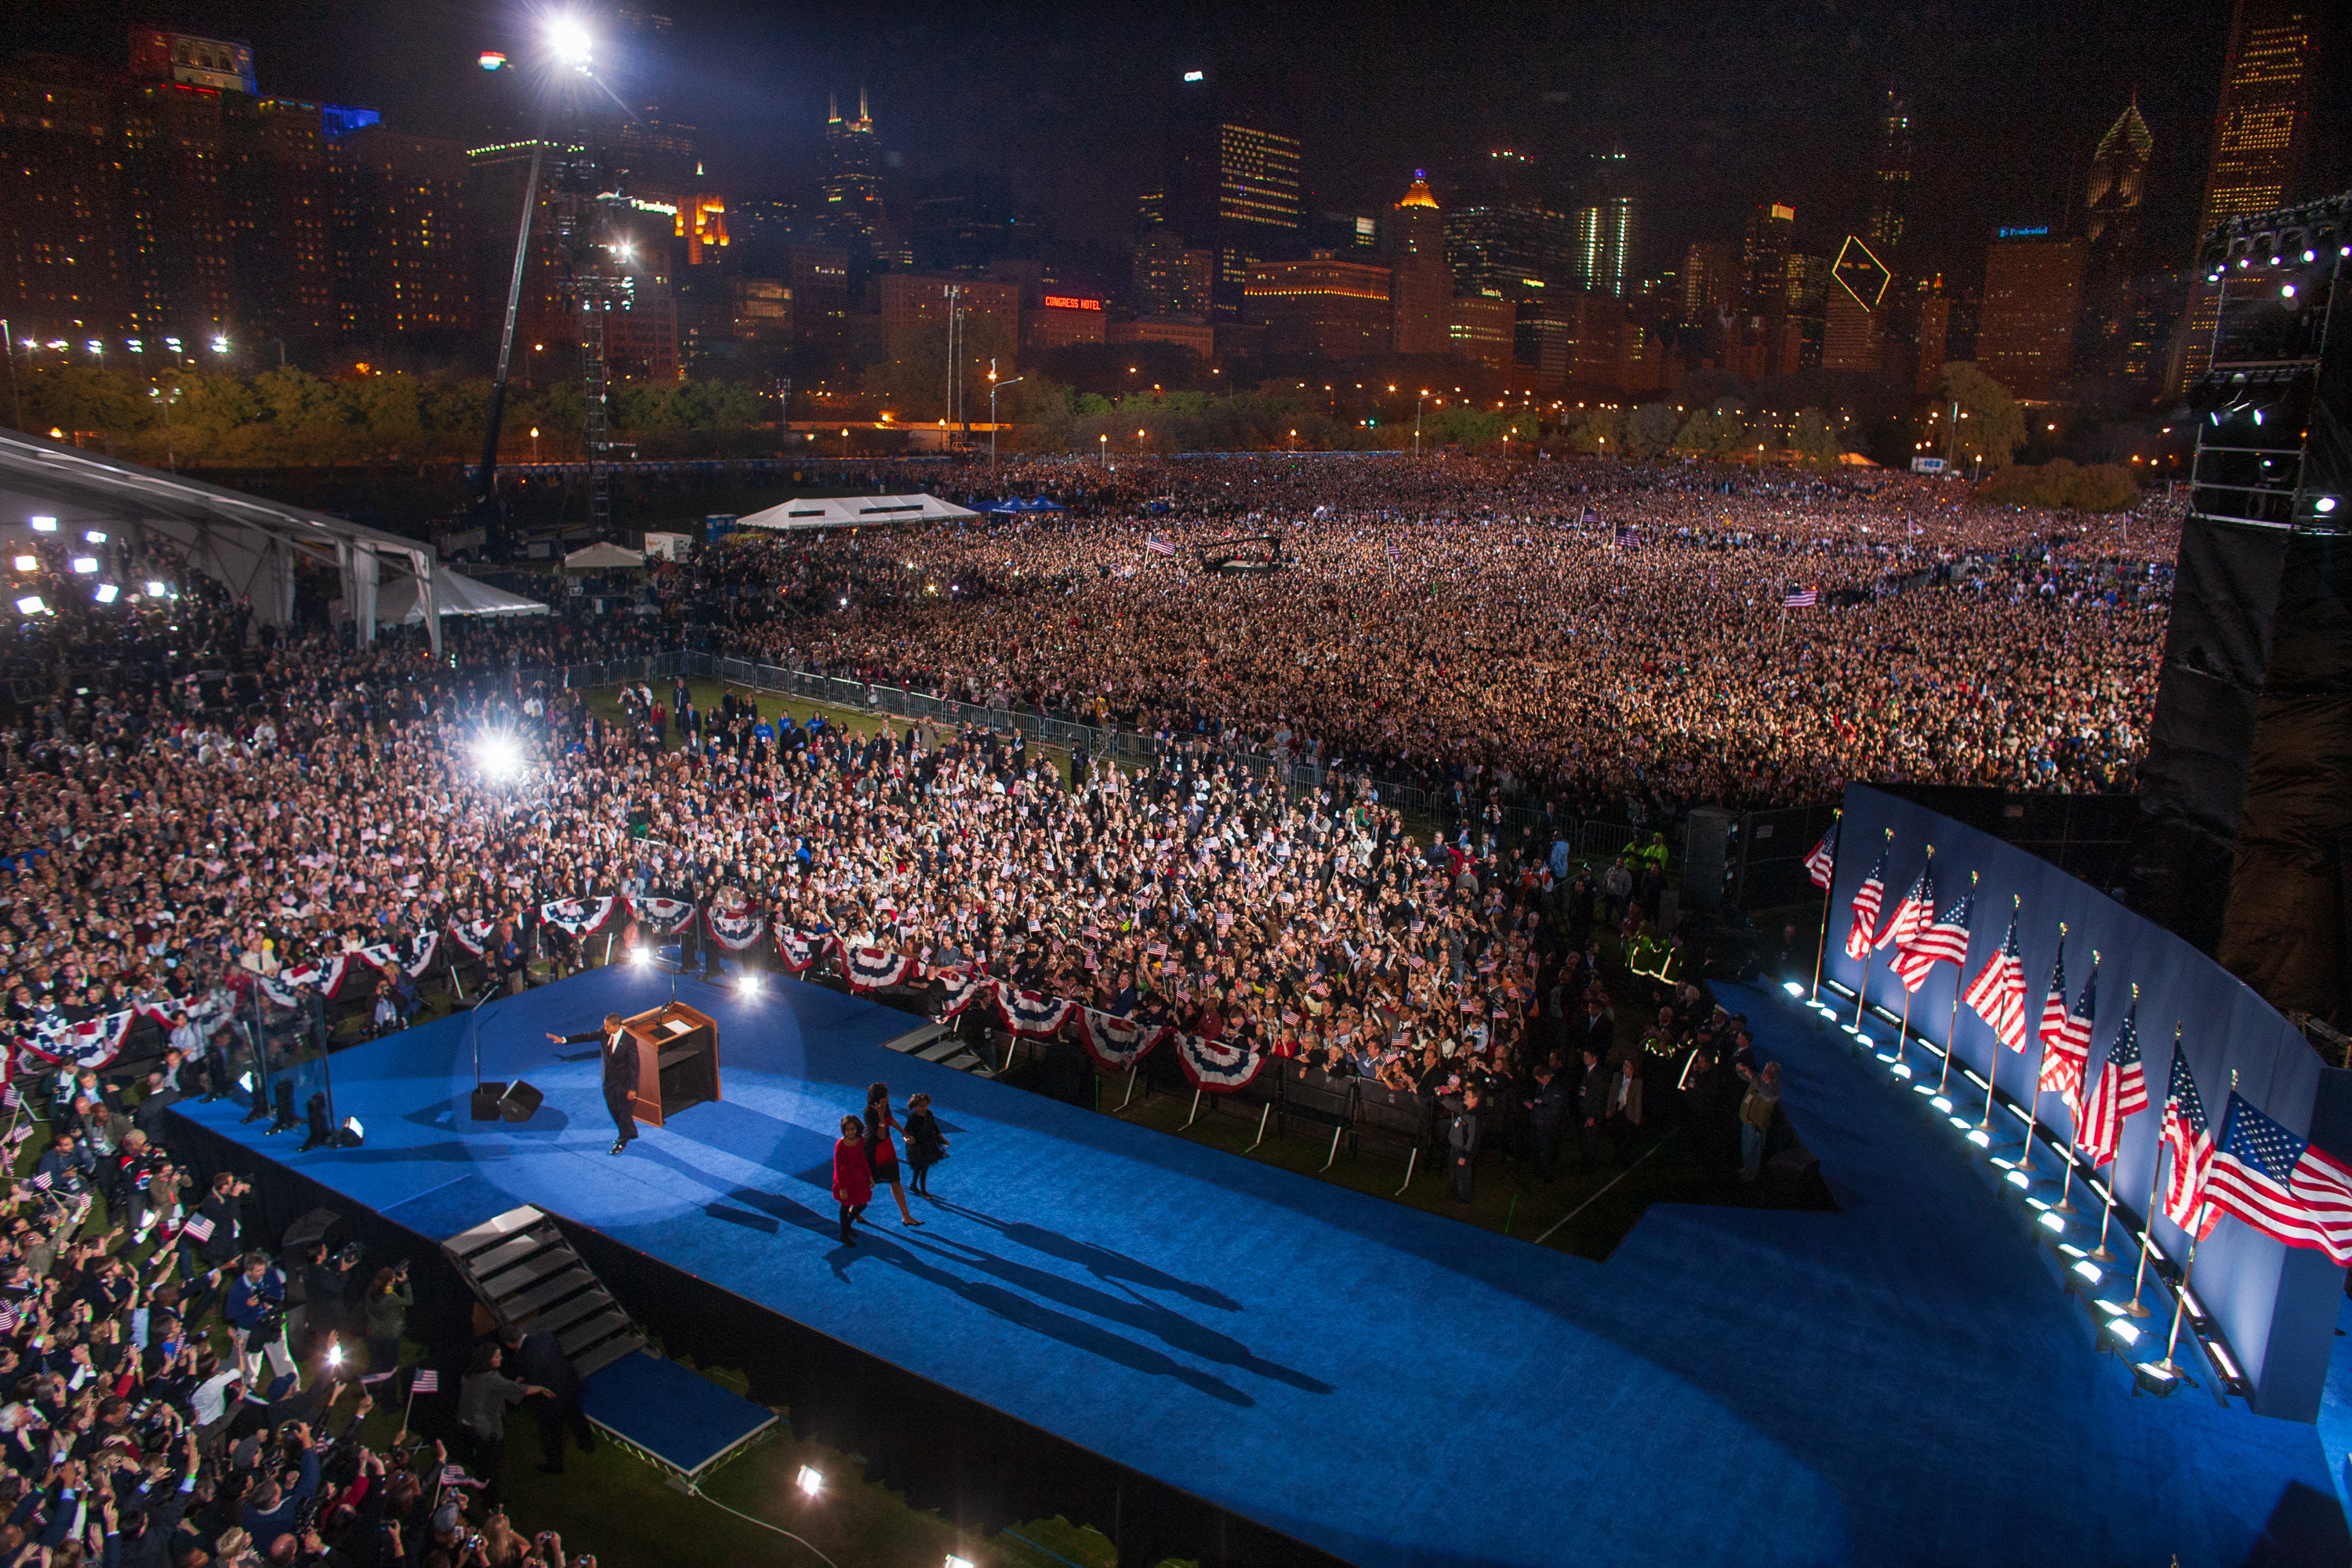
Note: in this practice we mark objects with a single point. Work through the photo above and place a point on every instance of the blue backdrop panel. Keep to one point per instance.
(2276, 1304)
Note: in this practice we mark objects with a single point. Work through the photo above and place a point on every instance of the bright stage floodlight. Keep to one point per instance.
(499, 757)
(750, 982)
(31, 604)
(1792, 988)
(85, 564)
(568, 37)
(107, 593)
(809, 1481)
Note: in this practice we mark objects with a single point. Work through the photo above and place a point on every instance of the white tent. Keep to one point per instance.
(455, 593)
(855, 511)
(244, 542)
(603, 558)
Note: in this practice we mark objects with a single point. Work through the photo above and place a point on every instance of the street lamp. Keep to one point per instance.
(1416, 420)
(993, 386)
(534, 444)
(1102, 445)
(170, 460)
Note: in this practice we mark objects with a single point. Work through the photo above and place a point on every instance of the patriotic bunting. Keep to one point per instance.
(798, 951)
(663, 917)
(1116, 1044)
(1029, 1014)
(1215, 1067)
(734, 930)
(474, 936)
(963, 989)
(873, 968)
(580, 917)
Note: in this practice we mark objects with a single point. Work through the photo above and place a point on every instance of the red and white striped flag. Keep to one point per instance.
(2067, 1051)
(1866, 899)
(2280, 1185)
(426, 1381)
(199, 1227)
(1912, 915)
(1946, 942)
(2192, 1142)
(2120, 1093)
(1998, 993)
(1821, 864)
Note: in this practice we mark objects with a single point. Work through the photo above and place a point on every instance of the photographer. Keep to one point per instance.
(385, 1309)
(256, 1308)
(482, 1401)
(325, 1311)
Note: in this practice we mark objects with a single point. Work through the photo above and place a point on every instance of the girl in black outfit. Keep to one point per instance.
(926, 1144)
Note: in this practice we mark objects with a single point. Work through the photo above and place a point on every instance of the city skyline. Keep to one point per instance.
(1714, 109)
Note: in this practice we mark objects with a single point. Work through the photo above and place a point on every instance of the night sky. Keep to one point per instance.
(1720, 105)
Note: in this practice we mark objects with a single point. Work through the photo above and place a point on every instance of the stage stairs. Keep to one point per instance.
(527, 1277)
(940, 1043)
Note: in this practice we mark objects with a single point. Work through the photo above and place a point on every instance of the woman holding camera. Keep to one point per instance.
(389, 1296)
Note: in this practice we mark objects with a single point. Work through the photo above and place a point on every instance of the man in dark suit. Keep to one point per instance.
(1593, 1102)
(1544, 1113)
(620, 1073)
(539, 1359)
(1462, 1142)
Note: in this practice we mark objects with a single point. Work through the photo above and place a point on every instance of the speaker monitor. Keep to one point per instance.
(520, 1101)
(487, 1096)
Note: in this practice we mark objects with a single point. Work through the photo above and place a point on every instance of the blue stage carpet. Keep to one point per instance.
(661, 1406)
(1901, 1381)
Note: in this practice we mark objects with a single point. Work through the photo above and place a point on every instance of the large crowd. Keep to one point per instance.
(234, 804)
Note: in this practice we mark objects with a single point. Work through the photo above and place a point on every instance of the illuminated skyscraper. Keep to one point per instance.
(1507, 233)
(1233, 184)
(851, 185)
(2259, 138)
(2033, 295)
(1890, 193)
(1422, 292)
(1608, 230)
(2118, 336)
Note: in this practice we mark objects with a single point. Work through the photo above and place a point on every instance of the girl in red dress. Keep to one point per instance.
(852, 1178)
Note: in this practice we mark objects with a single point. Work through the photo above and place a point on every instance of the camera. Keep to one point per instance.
(349, 1254)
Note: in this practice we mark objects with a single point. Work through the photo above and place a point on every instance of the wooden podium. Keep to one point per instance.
(677, 1061)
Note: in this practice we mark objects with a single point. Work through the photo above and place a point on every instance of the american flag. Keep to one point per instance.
(199, 1228)
(2120, 1093)
(1998, 993)
(2053, 1006)
(1866, 899)
(1801, 599)
(1946, 942)
(1158, 546)
(2280, 1185)
(2067, 1051)
(1821, 864)
(2192, 1142)
(1626, 537)
(7, 1318)
(426, 1381)
(1912, 915)
(41, 1181)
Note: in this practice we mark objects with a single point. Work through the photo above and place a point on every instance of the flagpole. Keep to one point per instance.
(1902, 1028)
(2180, 1297)
(2147, 1216)
(1862, 985)
(1952, 1025)
(1820, 948)
(2033, 1113)
(1992, 1062)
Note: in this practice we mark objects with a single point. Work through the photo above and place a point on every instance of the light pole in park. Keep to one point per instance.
(1417, 401)
(995, 386)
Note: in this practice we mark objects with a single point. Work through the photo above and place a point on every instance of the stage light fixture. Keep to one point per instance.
(809, 1481)
(155, 589)
(85, 564)
(1793, 988)
(93, 536)
(45, 525)
(1943, 1104)
(955, 1562)
(2016, 1178)
(748, 985)
(27, 562)
(31, 604)
(334, 1354)
(107, 593)
(2123, 1329)
(499, 757)
(2054, 1222)
(2089, 1270)
(639, 958)
(2156, 1377)
(1921, 1087)
(2324, 504)
(1980, 1137)
(568, 37)
(351, 1135)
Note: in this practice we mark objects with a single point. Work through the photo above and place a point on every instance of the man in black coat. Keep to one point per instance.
(1462, 1142)
(539, 1359)
(620, 1073)
(1594, 1107)
(1544, 1113)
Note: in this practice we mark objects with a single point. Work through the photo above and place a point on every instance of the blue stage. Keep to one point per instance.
(1901, 1381)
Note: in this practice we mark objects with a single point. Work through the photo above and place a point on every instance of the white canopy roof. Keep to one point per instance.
(244, 542)
(855, 511)
(603, 557)
(399, 605)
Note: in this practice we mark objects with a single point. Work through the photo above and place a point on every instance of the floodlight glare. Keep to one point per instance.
(809, 1481)
(85, 564)
(27, 562)
(31, 604)
(45, 525)
(567, 36)
(750, 985)
(107, 593)
(93, 536)
(499, 757)
(155, 589)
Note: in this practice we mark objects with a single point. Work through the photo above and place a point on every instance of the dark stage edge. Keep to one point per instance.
(1900, 1382)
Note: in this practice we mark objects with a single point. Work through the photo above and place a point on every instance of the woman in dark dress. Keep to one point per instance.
(926, 1144)
(879, 1152)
